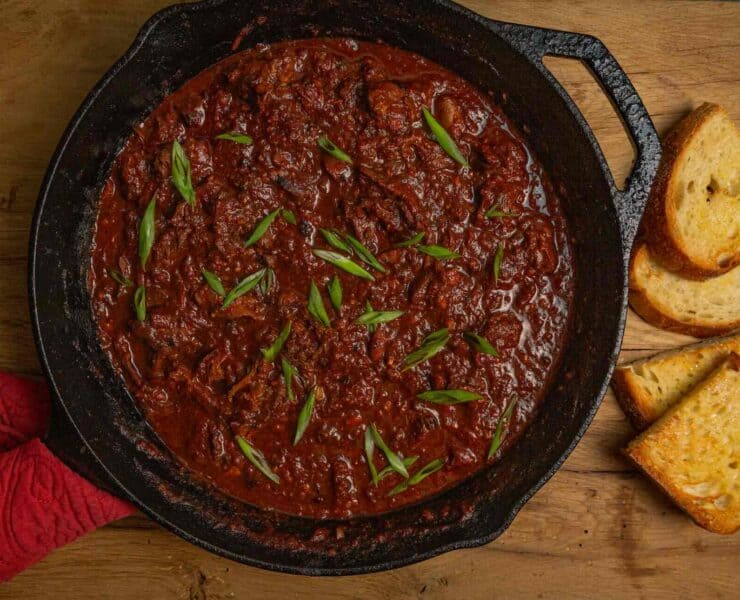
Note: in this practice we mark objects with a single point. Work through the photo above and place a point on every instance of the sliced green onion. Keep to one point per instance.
(480, 343)
(407, 462)
(393, 459)
(412, 241)
(499, 436)
(316, 306)
(443, 138)
(374, 317)
(146, 232)
(235, 136)
(495, 212)
(334, 239)
(181, 178)
(267, 281)
(343, 263)
(331, 148)
(140, 303)
(369, 454)
(245, 285)
(271, 353)
(261, 228)
(214, 282)
(418, 477)
(364, 253)
(257, 459)
(289, 372)
(289, 216)
(369, 308)
(120, 278)
(430, 345)
(304, 417)
(335, 293)
(449, 397)
(497, 262)
(438, 252)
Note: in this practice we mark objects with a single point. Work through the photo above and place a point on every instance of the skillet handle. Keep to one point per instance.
(630, 203)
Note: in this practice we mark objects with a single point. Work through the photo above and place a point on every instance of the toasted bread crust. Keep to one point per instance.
(657, 223)
(702, 517)
(714, 521)
(630, 399)
(643, 306)
(636, 402)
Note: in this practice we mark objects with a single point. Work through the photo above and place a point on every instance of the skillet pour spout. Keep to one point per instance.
(501, 58)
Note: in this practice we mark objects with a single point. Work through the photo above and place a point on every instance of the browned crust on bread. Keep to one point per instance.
(655, 226)
(703, 518)
(628, 399)
(642, 305)
(698, 514)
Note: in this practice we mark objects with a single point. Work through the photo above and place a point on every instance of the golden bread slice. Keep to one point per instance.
(692, 221)
(670, 301)
(647, 387)
(693, 450)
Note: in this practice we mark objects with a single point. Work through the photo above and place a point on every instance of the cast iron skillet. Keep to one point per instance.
(503, 58)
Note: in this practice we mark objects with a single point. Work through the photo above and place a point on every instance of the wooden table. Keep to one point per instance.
(597, 528)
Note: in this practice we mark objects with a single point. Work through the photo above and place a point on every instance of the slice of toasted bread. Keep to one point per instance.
(647, 387)
(667, 300)
(693, 450)
(692, 221)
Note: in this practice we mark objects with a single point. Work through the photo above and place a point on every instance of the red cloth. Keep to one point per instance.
(43, 503)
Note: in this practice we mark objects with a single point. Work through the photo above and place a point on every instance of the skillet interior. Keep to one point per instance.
(174, 46)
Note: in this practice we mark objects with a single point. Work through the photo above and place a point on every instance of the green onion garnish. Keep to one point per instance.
(419, 476)
(497, 262)
(430, 345)
(498, 436)
(331, 148)
(181, 173)
(480, 343)
(120, 278)
(495, 212)
(289, 372)
(393, 459)
(369, 454)
(235, 136)
(449, 397)
(369, 308)
(140, 303)
(289, 216)
(257, 459)
(438, 252)
(316, 306)
(261, 228)
(407, 462)
(214, 282)
(267, 282)
(343, 263)
(245, 285)
(364, 253)
(443, 138)
(270, 354)
(304, 417)
(334, 239)
(335, 293)
(413, 241)
(146, 232)
(373, 317)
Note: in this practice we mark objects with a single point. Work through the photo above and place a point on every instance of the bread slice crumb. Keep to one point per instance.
(693, 451)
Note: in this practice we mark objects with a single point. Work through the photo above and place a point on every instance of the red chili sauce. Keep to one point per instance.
(196, 369)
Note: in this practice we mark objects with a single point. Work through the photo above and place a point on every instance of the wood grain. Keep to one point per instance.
(596, 528)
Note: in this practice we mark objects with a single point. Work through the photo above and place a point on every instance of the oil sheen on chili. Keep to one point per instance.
(484, 295)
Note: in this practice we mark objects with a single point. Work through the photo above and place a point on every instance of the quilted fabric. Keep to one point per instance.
(43, 504)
